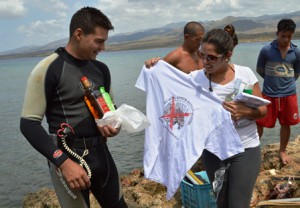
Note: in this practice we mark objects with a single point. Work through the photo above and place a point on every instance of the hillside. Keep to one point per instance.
(248, 29)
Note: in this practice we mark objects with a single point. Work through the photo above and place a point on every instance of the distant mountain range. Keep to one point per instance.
(248, 29)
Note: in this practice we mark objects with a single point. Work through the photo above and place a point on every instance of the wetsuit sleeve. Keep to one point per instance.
(261, 62)
(33, 112)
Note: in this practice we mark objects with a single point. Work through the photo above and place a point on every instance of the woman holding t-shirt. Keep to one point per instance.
(219, 76)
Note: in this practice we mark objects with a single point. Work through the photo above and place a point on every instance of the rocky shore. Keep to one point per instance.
(142, 193)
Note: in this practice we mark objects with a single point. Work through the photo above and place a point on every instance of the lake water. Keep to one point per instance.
(24, 170)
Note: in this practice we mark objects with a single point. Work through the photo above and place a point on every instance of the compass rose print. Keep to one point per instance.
(178, 112)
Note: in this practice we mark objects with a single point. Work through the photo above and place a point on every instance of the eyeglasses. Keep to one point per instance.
(210, 58)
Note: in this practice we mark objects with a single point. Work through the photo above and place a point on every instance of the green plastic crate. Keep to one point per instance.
(197, 196)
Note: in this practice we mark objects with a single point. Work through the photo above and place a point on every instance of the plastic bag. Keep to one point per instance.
(220, 185)
(129, 118)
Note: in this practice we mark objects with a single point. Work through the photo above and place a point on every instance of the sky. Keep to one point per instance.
(38, 22)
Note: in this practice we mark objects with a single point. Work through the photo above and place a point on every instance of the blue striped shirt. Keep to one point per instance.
(278, 73)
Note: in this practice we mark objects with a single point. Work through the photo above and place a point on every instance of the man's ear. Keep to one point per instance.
(78, 34)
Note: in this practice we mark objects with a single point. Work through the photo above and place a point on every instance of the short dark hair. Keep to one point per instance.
(88, 18)
(191, 28)
(285, 25)
(220, 39)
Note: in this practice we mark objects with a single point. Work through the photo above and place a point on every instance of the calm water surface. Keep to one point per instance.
(24, 170)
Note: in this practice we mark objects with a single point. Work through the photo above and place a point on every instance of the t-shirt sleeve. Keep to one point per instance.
(252, 77)
(143, 79)
(297, 64)
(247, 75)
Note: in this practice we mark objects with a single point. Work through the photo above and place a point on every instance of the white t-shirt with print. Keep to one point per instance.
(185, 119)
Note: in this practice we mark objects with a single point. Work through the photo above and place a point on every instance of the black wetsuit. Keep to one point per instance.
(54, 90)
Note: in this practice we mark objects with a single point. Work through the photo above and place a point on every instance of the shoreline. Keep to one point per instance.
(143, 44)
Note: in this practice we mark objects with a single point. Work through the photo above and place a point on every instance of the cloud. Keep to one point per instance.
(52, 25)
(133, 15)
(41, 21)
(12, 9)
(41, 32)
(56, 7)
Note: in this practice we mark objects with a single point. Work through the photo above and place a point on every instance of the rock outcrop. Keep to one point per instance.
(273, 172)
(142, 193)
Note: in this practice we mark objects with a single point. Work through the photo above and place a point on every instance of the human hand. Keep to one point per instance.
(238, 110)
(151, 62)
(108, 131)
(75, 175)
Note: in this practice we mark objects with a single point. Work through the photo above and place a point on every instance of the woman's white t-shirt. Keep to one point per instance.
(248, 134)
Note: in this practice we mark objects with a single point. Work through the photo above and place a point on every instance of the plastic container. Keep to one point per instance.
(197, 196)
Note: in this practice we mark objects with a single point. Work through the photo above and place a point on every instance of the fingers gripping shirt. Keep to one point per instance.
(185, 119)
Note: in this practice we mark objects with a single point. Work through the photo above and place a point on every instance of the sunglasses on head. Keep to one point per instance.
(210, 58)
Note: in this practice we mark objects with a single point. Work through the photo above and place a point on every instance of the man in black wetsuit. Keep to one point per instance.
(54, 90)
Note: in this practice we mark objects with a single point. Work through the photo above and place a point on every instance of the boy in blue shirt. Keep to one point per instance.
(279, 65)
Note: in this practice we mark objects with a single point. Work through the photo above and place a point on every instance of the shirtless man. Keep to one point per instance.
(186, 57)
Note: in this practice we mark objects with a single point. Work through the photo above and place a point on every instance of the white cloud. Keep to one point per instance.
(132, 15)
(234, 4)
(58, 4)
(42, 29)
(44, 20)
(42, 32)
(59, 7)
(56, 7)
(12, 9)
